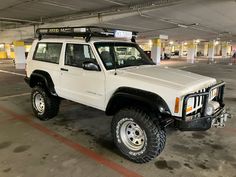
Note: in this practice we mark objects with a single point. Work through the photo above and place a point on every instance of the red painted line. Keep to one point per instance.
(6, 120)
(93, 155)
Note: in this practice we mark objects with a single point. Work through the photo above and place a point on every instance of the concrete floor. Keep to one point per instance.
(78, 142)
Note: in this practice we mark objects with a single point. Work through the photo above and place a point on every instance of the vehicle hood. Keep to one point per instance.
(168, 77)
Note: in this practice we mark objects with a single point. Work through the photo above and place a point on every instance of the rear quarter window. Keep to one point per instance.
(48, 52)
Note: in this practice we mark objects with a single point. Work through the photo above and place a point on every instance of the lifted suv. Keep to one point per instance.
(118, 78)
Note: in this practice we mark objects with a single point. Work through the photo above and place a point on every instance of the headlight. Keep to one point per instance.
(211, 107)
(190, 104)
(209, 110)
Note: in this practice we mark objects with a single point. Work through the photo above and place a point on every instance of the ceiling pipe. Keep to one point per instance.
(103, 14)
(145, 7)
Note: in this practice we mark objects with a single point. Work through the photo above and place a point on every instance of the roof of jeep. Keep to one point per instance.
(79, 40)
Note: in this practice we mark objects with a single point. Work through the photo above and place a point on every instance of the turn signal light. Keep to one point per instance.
(189, 108)
(177, 105)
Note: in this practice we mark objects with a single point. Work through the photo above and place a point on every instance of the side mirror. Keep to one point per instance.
(88, 65)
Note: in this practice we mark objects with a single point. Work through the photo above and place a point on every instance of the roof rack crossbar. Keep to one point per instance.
(87, 32)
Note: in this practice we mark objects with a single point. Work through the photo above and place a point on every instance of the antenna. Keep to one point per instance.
(115, 58)
(115, 66)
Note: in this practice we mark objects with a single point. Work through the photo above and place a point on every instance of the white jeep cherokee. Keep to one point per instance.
(118, 78)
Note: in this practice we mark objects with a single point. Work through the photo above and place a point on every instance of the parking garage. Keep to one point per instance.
(181, 39)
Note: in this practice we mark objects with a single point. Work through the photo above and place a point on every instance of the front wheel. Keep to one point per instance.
(136, 135)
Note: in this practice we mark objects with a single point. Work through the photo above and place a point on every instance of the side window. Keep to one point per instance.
(76, 54)
(48, 52)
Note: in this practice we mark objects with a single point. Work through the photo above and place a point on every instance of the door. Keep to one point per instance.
(77, 84)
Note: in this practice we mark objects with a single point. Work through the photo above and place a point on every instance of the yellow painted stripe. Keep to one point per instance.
(3, 55)
(18, 43)
(156, 42)
(211, 44)
(191, 45)
(12, 54)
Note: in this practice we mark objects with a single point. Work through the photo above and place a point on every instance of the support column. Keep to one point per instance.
(205, 51)
(196, 49)
(224, 49)
(191, 52)
(19, 54)
(8, 50)
(181, 50)
(156, 51)
(163, 50)
(218, 50)
(211, 50)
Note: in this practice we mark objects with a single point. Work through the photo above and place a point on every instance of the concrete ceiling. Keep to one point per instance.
(179, 19)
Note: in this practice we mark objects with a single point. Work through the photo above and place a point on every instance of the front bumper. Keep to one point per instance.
(198, 120)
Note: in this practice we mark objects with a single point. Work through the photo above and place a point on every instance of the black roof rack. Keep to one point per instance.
(81, 31)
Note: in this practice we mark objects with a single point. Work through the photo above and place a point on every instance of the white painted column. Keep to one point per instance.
(196, 49)
(156, 51)
(218, 49)
(19, 49)
(8, 50)
(191, 52)
(224, 49)
(205, 51)
(163, 50)
(181, 50)
(211, 50)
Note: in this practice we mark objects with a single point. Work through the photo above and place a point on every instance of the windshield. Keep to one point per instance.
(121, 55)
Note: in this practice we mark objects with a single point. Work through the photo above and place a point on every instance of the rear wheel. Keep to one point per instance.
(45, 106)
(136, 135)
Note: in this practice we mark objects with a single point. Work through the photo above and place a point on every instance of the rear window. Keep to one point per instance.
(48, 52)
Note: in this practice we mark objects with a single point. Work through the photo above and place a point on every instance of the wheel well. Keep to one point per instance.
(42, 78)
(123, 102)
(130, 97)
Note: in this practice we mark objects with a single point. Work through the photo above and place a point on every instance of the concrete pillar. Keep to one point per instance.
(224, 49)
(133, 51)
(163, 46)
(211, 50)
(205, 51)
(191, 52)
(156, 51)
(196, 49)
(19, 49)
(8, 50)
(218, 49)
(229, 49)
(181, 50)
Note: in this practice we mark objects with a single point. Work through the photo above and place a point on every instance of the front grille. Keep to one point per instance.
(200, 98)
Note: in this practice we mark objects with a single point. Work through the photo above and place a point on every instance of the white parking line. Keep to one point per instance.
(13, 73)
(183, 67)
(12, 96)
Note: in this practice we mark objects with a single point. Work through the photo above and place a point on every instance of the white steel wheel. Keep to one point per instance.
(132, 135)
(39, 103)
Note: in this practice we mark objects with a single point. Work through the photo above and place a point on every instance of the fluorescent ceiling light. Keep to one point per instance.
(115, 2)
(59, 5)
(182, 26)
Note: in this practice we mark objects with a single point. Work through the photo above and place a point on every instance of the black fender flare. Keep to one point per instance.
(126, 96)
(45, 78)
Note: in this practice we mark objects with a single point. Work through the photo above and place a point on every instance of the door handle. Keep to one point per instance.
(64, 69)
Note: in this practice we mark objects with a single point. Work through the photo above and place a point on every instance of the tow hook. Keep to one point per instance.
(220, 122)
